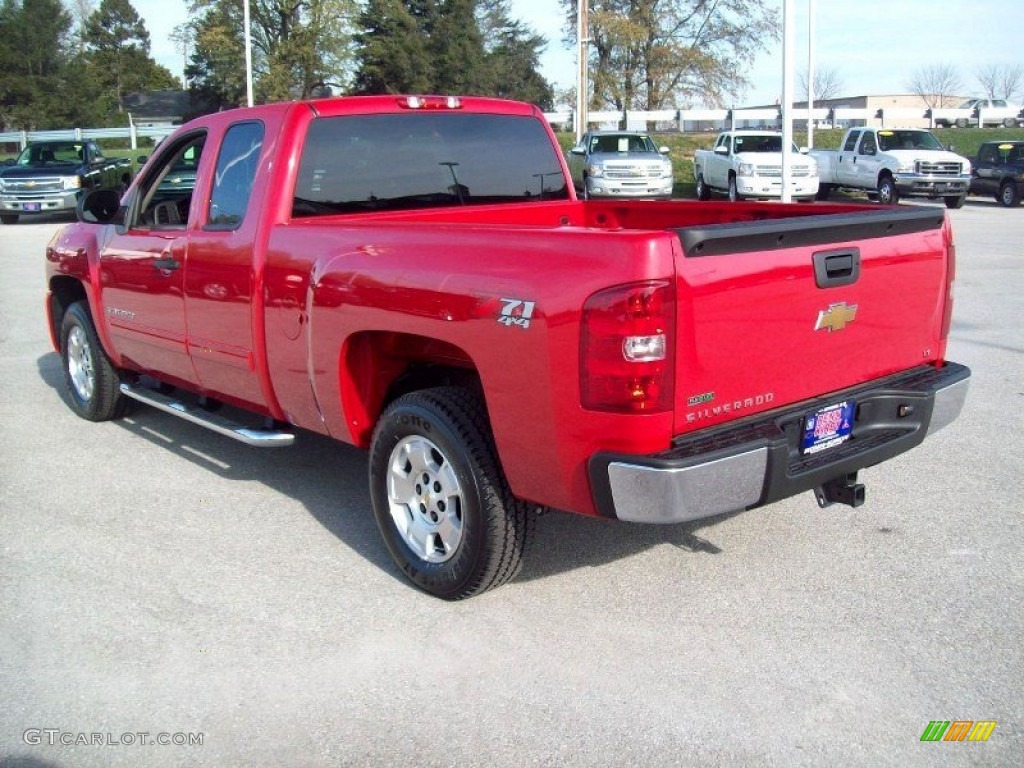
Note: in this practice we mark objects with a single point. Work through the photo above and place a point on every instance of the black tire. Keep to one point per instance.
(824, 190)
(703, 192)
(462, 531)
(956, 201)
(1009, 122)
(734, 195)
(887, 192)
(961, 122)
(9, 218)
(90, 379)
(1009, 194)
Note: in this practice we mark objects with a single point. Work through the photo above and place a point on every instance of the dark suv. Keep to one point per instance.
(998, 170)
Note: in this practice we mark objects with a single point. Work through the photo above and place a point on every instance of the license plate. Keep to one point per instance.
(828, 427)
(33, 206)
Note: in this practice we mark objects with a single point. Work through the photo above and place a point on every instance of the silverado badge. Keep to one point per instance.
(836, 317)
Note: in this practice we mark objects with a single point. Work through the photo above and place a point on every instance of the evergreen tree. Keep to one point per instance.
(392, 51)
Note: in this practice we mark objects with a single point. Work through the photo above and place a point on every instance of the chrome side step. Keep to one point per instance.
(259, 438)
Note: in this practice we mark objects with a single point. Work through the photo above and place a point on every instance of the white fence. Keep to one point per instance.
(684, 121)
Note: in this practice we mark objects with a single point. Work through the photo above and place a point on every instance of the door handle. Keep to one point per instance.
(167, 264)
(833, 269)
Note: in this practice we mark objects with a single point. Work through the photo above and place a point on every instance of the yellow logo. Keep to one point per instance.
(836, 317)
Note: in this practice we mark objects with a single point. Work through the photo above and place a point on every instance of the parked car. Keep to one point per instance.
(1000, 113)
(620, 164)
(748, 164)
(50, 176)
(998, 171)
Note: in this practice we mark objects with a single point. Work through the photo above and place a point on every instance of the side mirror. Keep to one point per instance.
(664, 150)
(100, 206)
(804, 150)
(578, 151)
(721, 150)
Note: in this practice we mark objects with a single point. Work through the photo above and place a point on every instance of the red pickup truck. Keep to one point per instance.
(414, 275)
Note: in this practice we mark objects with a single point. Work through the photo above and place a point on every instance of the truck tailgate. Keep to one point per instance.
(776, 312)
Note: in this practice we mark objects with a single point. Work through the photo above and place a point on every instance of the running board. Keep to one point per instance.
(259, 438)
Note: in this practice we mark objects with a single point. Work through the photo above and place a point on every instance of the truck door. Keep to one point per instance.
(868, 161)
(141, 267)
(846, 167)
(220, 301)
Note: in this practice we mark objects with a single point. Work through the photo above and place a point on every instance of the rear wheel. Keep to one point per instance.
(1009, 194)
(703, 192)
(90, 379)
(441, 501)
(9, 218)
(887, 192)
(961, 122)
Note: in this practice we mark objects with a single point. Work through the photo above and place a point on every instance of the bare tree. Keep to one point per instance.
(80, 11)
(937, 85)
(827, 83)
(1000, 81)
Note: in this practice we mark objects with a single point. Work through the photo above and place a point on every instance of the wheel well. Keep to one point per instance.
(378, 367)
(64, 291)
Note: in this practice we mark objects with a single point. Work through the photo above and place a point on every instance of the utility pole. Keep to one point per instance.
(810, 75)
(788, 68)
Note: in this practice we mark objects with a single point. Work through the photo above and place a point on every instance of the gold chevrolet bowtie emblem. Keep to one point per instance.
(836, 317)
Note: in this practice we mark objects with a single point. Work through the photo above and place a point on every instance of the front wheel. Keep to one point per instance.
(824, 190)
(1009, 194)
(90, 379)
(440, 498)
(734, 195)
(956, 201)
(703, 192)
(9, 218)
(887, 192)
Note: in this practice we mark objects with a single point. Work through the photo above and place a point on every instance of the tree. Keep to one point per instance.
(650, 54)
(827, 83)
(301, 48)
(34, 63)
(513, 52)
(391, 51)
(117, 45)
(1001, 81)
(937, 85)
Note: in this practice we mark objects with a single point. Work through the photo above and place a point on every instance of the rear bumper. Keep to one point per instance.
(756, 462)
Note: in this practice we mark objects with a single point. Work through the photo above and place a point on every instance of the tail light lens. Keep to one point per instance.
(947, 311)
(626, 352)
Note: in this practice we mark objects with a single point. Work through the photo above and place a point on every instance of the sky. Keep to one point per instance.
(874, 46)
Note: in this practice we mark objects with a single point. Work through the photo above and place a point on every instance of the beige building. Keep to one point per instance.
(897, 109)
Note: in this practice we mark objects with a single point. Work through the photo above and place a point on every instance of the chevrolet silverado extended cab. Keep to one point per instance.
(50, 176)
(889, 163)
(748, 164)
(372, 269)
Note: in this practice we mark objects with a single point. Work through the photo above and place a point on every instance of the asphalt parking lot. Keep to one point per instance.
(158, 582)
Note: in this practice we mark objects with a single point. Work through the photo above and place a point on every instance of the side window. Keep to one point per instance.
(868, 145)
(236, 169)
(165, 194)
(97, 155)
(988, 154)
(851, 141)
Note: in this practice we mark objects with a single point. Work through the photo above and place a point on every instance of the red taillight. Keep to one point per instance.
(947, 311)
(626, 351)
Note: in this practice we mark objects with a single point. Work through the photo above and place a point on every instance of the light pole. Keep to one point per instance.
(787, 98)
(810, 75)
(583, 39)
(248, 55)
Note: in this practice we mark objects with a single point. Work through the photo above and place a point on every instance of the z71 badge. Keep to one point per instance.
(516, 312)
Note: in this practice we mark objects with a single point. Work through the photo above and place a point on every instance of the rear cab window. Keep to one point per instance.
(365, 163)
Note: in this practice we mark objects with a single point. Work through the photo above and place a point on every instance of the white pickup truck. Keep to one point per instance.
(749, 164)
(889, 163)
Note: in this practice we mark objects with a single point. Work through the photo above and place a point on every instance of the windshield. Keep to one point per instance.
(754, 143)
(621, 142)
(889, 140)
(426, 159)
(37, 154)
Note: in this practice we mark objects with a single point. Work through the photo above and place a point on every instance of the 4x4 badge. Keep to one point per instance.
(836, 317)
